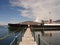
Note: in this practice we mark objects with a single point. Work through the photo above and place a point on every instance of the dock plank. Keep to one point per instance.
(28, 39)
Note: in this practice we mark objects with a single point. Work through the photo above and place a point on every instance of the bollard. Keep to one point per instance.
(39, 39)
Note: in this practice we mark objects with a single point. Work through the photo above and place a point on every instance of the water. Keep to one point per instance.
(53, 40)
(5, 31)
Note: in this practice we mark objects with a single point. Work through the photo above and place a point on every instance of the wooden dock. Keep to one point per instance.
(28, 39)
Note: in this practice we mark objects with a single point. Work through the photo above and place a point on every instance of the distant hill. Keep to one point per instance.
(30, 22)
(57, 21)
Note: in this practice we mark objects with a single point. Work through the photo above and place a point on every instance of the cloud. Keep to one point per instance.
(13, 20)
(38, 9)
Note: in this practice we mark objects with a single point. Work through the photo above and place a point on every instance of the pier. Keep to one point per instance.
(28, 39)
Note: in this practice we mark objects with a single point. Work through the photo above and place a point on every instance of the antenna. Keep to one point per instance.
(49, 9)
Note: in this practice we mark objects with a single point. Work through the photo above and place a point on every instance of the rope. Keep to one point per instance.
(44, 41)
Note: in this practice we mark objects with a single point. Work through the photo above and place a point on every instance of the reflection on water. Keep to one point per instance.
(53, 40)
(6, 36)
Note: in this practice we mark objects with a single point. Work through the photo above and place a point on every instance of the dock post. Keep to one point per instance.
(34, 35)
(42, 25)
(39, 43)
(21, 36)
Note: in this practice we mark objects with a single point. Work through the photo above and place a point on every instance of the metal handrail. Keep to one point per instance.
(15, 40)
(12, 41)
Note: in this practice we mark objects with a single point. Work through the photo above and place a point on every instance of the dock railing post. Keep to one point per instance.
(39, 43)
(16, 40)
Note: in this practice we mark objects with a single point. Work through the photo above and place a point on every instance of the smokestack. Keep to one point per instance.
(50, 21)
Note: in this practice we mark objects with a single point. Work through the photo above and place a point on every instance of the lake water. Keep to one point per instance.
(50, 40)
(53, 40)
(4, 31)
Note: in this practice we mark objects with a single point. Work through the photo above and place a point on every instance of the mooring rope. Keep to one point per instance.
(44, 41)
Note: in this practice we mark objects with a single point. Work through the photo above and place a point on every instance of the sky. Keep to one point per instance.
(13, 11)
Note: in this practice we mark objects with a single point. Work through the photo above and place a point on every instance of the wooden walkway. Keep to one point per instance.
(28, 39)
